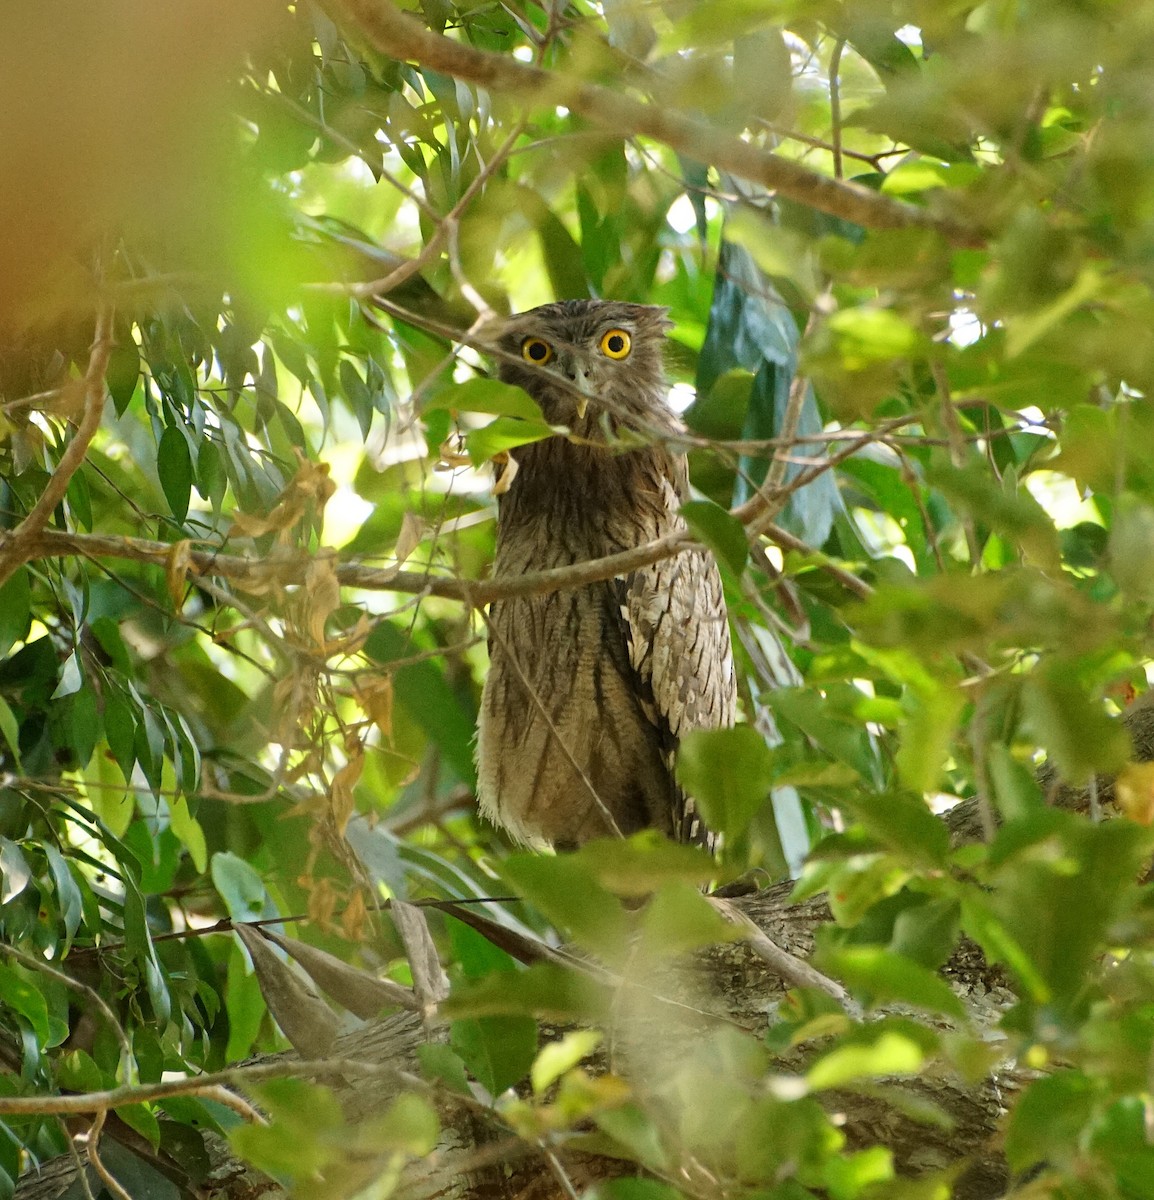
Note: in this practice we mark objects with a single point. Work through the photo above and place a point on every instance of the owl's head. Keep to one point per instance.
(581, 358)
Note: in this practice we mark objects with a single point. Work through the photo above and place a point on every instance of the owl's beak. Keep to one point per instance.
(582, 406)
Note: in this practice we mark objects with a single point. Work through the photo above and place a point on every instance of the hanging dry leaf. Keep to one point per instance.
(321, 597)
(358, 991)
(355, 916)
(374, 695)
(323, 901)
(341, 791)
(430, 982)
(176, 571)
(412, 530)
(452, 454)
(310, 485)
(505, 471)
(296, 1006)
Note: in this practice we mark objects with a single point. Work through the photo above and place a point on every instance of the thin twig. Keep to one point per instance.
(788, 541)
(199, 1085)
(92, 1144)
(14, 546)
(400, 36)
(791, 968)
(835, 105)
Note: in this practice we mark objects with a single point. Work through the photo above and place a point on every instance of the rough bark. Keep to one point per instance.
(479, 1160)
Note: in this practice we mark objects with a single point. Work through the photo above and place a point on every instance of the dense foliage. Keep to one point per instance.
(240, 661)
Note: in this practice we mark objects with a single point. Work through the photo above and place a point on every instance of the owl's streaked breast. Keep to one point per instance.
(579, 719)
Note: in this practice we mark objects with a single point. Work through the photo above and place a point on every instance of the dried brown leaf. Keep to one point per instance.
(306, 1020)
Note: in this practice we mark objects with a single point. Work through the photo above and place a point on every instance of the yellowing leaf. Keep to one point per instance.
(322, 596)
(1134, 792)
(558, 1057)
(176, 571)
(187, 829)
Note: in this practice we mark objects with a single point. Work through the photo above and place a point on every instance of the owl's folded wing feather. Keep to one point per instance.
(674, 620)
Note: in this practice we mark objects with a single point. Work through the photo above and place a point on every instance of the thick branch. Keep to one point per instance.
(400, 36)
(15, 549)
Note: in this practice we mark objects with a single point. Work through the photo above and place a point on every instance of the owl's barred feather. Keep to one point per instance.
(590, 689)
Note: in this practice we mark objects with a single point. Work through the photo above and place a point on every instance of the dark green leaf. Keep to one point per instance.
(498, 1051)
(174, 466)
(1050, 1119)
(722, 533)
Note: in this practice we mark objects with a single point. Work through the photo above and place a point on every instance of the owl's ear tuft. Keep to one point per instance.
(654, 317)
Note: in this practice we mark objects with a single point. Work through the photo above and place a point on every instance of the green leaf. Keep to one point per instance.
(142, 1119)
(120, 731)
(301, 1137)
(1006, 507)
(441, 1065)
(77, 1071)
(889, 1052)
(1076, 731)
(546, 990)
(880, 976)
(68, 898)
(729, 773)
(643, 862)
(123, 371)
(15, 609)
(630, 1189)
(505, 433)
(239, 886)
(998, 944)
(850, 1175)
(138, 939)
(10, 731)
(71, 678)
(901, 821)
(928, 735)
(927, 932)
(22, 997)
(722, 533)
(446, 714)
(567, 892)
(498, 1051)
(409, 1126)
(487, 396)
(174, 466)
(1050, 1119)
(638, 1133)
(678, 919)
(15, 874)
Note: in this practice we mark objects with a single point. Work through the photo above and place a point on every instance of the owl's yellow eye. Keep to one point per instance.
(616, 343)
(536, 350)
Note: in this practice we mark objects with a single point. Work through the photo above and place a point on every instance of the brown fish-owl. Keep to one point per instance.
(590, 688)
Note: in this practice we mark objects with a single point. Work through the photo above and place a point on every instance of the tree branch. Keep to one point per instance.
(15, 547)
(401, 37)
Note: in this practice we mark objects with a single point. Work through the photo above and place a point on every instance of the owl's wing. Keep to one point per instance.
(677, 633)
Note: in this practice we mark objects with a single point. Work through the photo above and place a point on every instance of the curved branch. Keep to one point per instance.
(402, 37)
(14, 549)
(289, 569)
